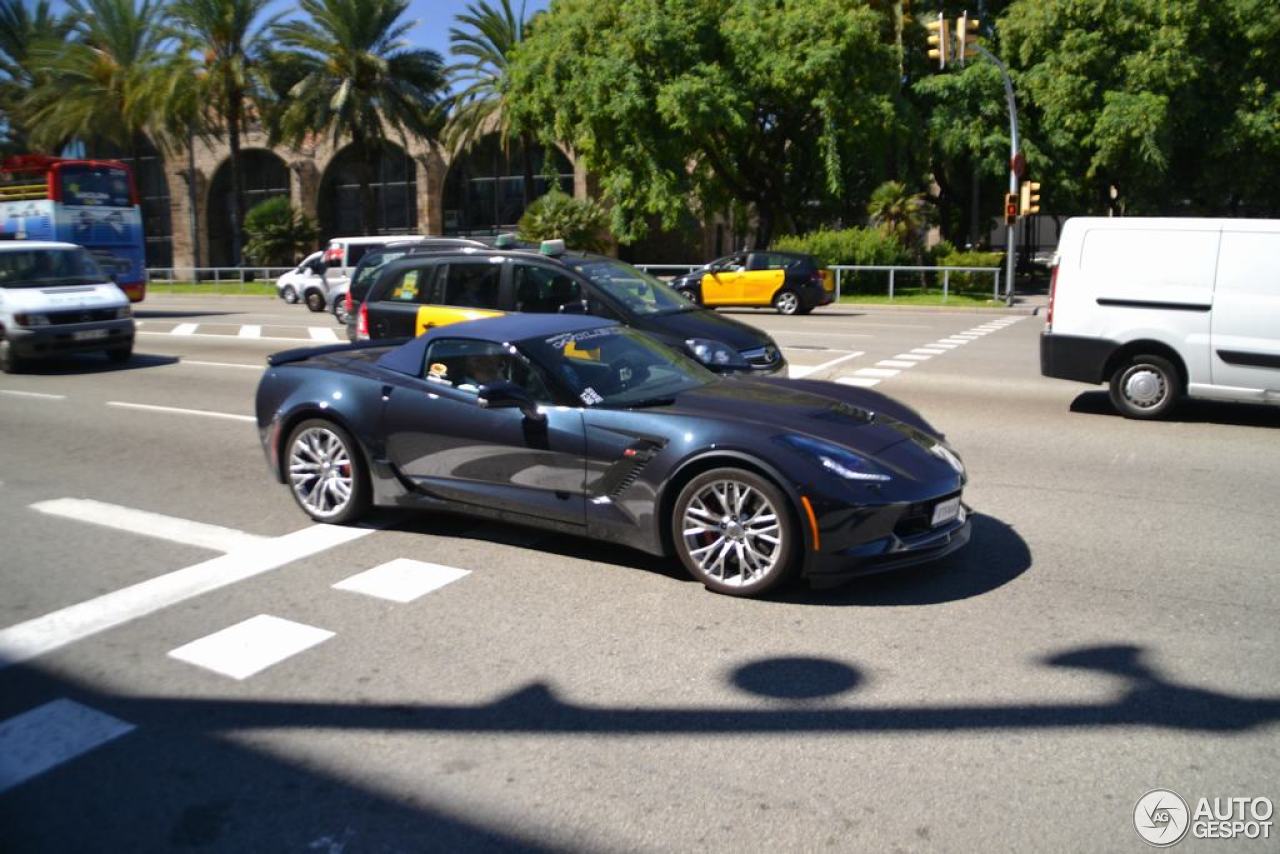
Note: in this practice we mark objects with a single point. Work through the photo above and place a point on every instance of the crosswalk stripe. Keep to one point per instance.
(321, 333)
(158, 525)
(250, 646)
(184, 329)
(47, 736)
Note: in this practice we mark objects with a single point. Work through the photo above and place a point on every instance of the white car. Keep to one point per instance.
(294, 285)
(1160, 308)
(54, 299)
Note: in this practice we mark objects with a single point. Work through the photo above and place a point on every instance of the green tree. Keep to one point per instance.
(278, 234)
(22, 27)
(485, 40)
(357, 79)
(580, 223)
(93, 87)
(900, 213)
(781, 105)
(233, 37)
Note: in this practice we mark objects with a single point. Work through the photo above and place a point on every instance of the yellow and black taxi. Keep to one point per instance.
(417, 293)
(790, 282)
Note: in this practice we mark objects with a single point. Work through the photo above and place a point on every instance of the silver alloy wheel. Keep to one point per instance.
(732, 532)
(1144, 386)
(290, 294)
(320, 471)
(340, 311)
(787, 303)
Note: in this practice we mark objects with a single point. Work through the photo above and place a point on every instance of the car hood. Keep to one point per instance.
(679, 327)
(774, 409)
(64, 298)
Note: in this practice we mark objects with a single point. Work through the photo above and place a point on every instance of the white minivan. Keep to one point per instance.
(341, 257)
(1160, 308)
(54, 298)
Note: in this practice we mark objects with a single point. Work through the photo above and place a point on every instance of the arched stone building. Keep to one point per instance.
(417, 190)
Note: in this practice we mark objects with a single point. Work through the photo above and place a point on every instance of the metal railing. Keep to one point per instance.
(894, 270)
(169, 275)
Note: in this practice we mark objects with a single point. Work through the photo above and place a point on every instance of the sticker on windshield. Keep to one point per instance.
(564, 339)
(590, 397)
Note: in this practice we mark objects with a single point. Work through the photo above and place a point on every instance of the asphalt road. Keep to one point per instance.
(1112, 628)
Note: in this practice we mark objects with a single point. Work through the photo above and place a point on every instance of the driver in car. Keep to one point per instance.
(481, 370)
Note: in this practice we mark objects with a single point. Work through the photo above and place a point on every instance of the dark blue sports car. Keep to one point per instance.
(580, 425)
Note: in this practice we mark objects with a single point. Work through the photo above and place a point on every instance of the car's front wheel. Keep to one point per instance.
(1145, 387)
(289, 294)
(787, 302)
(326, 472)
(733, 532)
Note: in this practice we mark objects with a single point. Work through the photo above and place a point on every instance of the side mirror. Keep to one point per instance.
(576, 307)
(505, 394)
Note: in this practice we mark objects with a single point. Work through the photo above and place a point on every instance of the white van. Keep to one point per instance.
(342, 256)
(54, 298)
(1161, 308)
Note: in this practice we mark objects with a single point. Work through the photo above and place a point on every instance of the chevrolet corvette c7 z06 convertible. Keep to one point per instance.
(584, 426)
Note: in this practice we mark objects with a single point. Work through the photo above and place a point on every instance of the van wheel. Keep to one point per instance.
(315, 300)
(1145, 387)
(787, 302)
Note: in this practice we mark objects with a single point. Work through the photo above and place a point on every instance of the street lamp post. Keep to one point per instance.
(1014, 162)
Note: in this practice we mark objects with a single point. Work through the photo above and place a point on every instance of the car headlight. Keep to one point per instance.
(123, 312)
(31, 319)
(714, 354)
(839, 461)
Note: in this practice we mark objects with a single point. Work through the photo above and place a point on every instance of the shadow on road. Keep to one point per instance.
(162, 313)
(1190, 411)
(93, 363)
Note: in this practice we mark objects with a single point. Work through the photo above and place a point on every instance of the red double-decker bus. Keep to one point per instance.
(90, 202)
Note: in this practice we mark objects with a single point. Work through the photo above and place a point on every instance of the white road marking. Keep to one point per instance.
(148, 407)
(39, 395)
(863, 382)
(880, 373)
(955, 342)
(895, 363)
(322, 333)
(944, 346)
(229, 337)
(250, 647)
(402, 580)
(929, 351)
(222, 364)
(53, 631)
(798, 371)
(250, 331)
(913, 357)
(172, 528)
(184, 329)
(45, 737)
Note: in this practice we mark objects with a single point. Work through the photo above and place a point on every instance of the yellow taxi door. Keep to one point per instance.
(763, 278)
(723, 285)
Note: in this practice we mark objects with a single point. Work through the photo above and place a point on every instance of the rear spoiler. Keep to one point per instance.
(301, 354)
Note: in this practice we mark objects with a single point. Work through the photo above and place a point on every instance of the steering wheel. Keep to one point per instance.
(627, 372)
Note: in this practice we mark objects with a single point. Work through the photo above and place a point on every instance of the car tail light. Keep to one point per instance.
(1053, 288)
(348, 303)
(362, 328)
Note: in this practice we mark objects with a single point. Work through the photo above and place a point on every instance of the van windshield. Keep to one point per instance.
(44, 268)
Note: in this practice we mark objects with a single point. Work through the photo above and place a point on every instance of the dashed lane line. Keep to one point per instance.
(148, 524)
(184, 329)
(41, 739)
(896, 363)
(36, 395)
(250, 331)
(175, 410)
(221, 364)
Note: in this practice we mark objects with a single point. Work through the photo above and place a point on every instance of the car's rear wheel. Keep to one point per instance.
(1145, 387)
(315, 300)
(340, 310)
(733, 532)
(289, 294)
(10, 362)
(326, 473)
(787, 302)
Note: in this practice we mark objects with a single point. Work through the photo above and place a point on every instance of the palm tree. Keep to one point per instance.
(93, 85)
(357, 79)
(479, 105)
(21, 28)
(898, 212)
(234, 38)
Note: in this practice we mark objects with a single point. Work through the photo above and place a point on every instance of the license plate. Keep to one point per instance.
(945, 511)
(88, 335)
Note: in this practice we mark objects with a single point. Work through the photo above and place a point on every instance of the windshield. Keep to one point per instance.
(95, 186)
(43, 268)
(369, 268)
(637, 290)
(616, 367)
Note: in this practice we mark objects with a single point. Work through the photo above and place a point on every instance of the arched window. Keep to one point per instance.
(484, 191)
(265, 176)
(395, 194)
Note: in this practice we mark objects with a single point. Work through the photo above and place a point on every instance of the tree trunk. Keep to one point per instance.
(234, 105)
(765, 220)
(526, 165)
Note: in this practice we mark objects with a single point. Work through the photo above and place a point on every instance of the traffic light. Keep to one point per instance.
(966, 37)
(940, 40)
(1030, 198)
(1010, 208)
